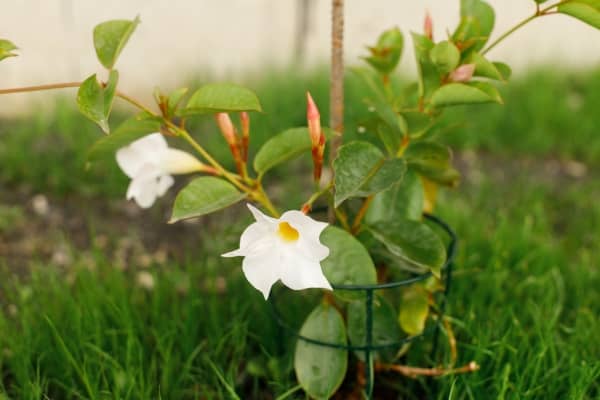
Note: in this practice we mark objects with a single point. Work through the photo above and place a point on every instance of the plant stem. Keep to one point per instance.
(413, 372)
(261, 196)
(336, 90)
(538, 13)
(361, 214)
(188, 138)
(40, 87)
(318, 193)
(134, 102)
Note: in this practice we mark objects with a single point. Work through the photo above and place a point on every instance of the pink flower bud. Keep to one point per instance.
(464, 73)
(245, 120)
(227, 128)
(314, 120)
(428, 26)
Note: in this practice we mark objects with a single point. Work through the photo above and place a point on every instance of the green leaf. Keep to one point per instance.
(477, 23)
(414, 309)
(429, 79)
(202, 196)
(488, 69)
(284, 146)
(454, 94)
(587, 11)
(386, 54)
(320, 370)
(504, 70)
(432, 160)
(348, 263)
(402, 200)
(446, 56)
(361, 170)
(95, 101)
(175, 99)
(6, 48)
(413, 242)
(221, 97)
(129, 131)
(110, 38)
(385, 327)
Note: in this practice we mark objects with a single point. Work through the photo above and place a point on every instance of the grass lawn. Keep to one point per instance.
(81, 317)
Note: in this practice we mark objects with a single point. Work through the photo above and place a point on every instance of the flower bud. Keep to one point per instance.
(227, 128)
(464, 73)
(428, 26)
(245, 121)
(314, 120)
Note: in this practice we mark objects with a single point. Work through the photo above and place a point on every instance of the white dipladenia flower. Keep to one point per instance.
(286, 248)
(149, 162)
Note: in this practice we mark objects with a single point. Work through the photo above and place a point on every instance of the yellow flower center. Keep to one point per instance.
(287, 232)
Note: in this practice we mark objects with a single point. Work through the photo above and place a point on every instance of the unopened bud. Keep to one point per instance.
(464, 73)
(245, 120)
(428, 26)
(314, 120)
(227, 128)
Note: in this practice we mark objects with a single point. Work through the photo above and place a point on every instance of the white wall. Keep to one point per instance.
(179, 37)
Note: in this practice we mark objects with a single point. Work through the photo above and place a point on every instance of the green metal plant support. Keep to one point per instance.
(370, 347)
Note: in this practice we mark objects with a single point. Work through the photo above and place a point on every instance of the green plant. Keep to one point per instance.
(379, 190)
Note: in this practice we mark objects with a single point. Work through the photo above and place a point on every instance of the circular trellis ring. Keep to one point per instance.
(370, 347)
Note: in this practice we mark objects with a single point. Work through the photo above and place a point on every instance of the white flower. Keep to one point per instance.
(287, 248)
(149, 162)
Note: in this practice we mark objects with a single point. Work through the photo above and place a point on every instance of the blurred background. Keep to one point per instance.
(181, 39)
(101, 298)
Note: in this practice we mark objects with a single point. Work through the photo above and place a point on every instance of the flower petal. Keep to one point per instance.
(146, 150)
(260, 217)
(256, 239)
(144, 187)
(164, 183)
(304, 224)
(176, 161)
(262, 270)
(312, 249)
(301, 273)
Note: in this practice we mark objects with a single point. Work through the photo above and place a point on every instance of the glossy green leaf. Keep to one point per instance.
(476, 25)
(385, 327)
(95, 101)
(429, 79)
(403, 200)
(414, 309)
(361, 170)
(175, 98)
(504, 69)
(204, 195)
(487, 69)
(432, 160)
(110, 38)
(348, 263)
(386, 54)
(320, 370)
(284, 146)
(129, 131)
(6, 49)
(413, 242)
(445, 56)
(454, 94)
(587, 11)
(221, 97)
